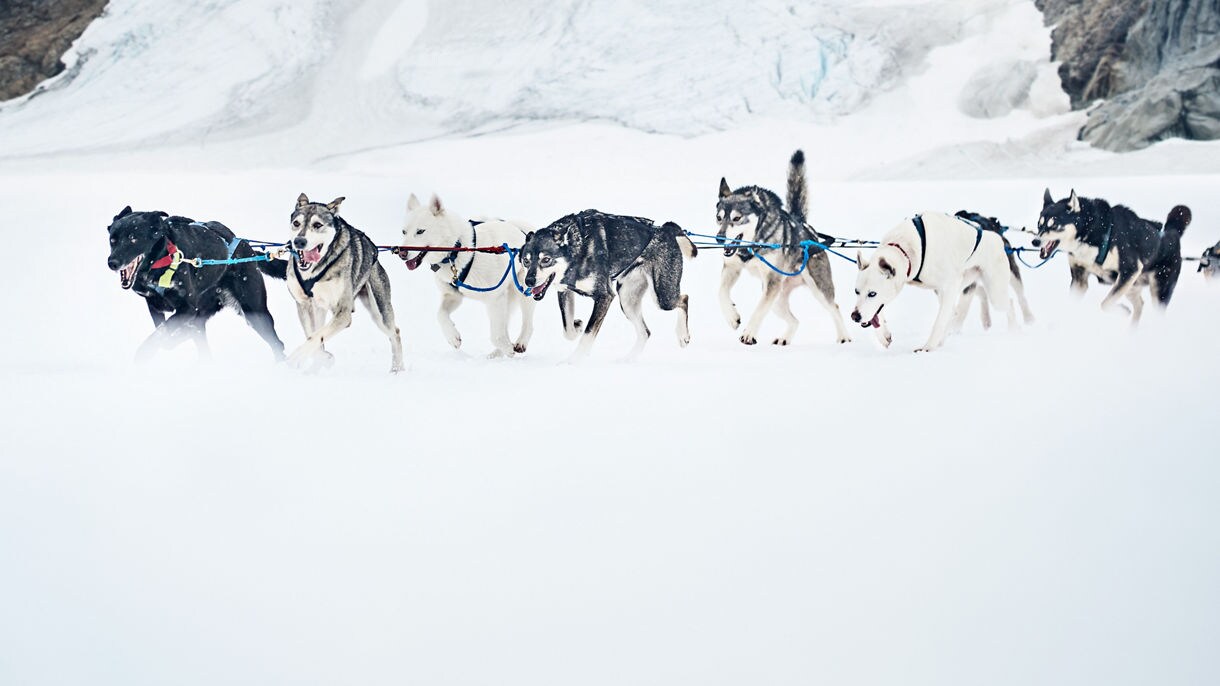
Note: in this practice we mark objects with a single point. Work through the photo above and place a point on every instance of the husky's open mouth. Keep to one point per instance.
(875, 322)
(731, 248)
(309, 258)
(540, 290)
(412, 262)
(127, 273)
(1048, 249)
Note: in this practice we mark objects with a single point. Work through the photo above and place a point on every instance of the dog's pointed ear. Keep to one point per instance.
(435, 205)
(1047, 200)
(302, 200)
(1074, 203)
(528, 237)
(886, 268)
(725, 191)
(861, 263)
(123, 213)
(333, 205)
(412, 203)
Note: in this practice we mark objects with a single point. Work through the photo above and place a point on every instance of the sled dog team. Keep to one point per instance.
(187, 270)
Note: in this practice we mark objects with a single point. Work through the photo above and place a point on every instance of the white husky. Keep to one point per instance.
(933, 251)
(433, 225)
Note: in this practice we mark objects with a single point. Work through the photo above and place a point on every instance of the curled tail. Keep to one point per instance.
(798, 189)
(1179, 219)
(689, 251)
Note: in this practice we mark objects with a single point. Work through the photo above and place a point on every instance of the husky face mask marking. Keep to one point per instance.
(1057, 223)
(313, 231)
(132, 236)
(737, 217)
(544, 258)
(877, 284)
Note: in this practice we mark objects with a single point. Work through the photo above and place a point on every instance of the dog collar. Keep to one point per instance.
(904, 254)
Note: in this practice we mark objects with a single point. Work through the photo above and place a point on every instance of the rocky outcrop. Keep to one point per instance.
(1154, 63)
(34, 35)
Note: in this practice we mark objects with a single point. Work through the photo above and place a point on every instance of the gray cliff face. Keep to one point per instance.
(34, 35)
(1155, 63)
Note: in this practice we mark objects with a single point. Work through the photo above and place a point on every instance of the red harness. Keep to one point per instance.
(170, 251)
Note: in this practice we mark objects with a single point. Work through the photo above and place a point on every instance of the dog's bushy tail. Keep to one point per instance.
(689, 251)
(798, 188)
(1179, 219)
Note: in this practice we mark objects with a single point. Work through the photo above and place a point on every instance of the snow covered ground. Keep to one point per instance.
(1035, 506)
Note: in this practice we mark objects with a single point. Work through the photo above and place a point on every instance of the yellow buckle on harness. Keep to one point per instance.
(166, 280)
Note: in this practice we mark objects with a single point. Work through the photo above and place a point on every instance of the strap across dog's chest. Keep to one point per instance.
(923, 247)
(474, 241)
(173, 258)
(1104, 250)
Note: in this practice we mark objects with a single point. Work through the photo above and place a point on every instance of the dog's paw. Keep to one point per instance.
(780, 341)
(455, 342)
(518, 348)
(683, 341)
(748, 339)
(844, 339)
(734, 321)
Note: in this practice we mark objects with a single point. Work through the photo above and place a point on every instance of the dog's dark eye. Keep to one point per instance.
(133, 239)
(316, 225)
(857, 291)
(297, 223)
(872, 294)
(420, 232)
(545, 261)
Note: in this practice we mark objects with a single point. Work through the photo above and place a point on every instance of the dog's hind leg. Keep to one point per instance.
(1018, 286)
(817, 277)
(1137, 305)
(376, 297)
(728, 278)
(450, 299)
(631, 300)
(527, 306)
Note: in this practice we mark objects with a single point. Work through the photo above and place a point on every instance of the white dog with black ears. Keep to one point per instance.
(933, 251)
(433, 225)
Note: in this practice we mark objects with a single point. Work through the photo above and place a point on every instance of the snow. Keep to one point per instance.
(1030, 506)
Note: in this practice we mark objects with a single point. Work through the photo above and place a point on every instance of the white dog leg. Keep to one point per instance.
(785, 313)
(728, 278)
(527, 305)
(948, 296)
(771, 291)
(497, 314)
(836, 315)
(450, 300)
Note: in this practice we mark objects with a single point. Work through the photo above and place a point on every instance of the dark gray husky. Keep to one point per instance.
(754, 214)
(601, 255)
(334, 264)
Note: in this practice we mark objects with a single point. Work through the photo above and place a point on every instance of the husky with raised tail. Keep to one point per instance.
(333, 264)
(938, 252)
(752, 214)
(1115, 245)
(434, 225)
(601, 256)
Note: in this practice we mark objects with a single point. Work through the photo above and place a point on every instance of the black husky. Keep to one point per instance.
(1116, 246)
(150, 251)
(601, 255)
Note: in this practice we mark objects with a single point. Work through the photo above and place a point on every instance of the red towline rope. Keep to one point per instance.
(399, 249)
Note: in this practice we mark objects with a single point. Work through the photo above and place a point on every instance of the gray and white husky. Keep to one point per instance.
(434, 225)
(334, 264)
(754, 214)
(935, 251)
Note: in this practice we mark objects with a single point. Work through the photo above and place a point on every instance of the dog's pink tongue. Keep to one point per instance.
(313, 255)
(876, 320)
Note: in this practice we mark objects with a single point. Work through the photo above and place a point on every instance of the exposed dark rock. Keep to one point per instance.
(1155, 63)
(34, 35)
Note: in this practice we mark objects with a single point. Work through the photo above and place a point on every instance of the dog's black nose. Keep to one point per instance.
(530, 281)
(1037, 242)
(855, 315)
(299, 242)
(112, 263)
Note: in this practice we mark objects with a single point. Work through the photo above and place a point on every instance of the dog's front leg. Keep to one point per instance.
(450, 299)
(601, 305)
(341, 319)
(1080, 279)
(567, 312)
(166, 336)
(729, 273)
(497, 315)
(772, 287)
(948, 296)
(158, 316)
(527, 305)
